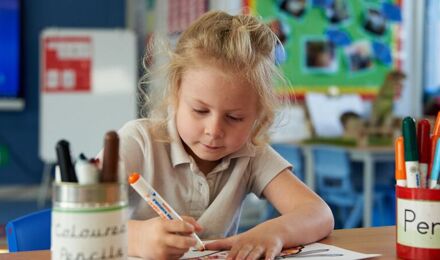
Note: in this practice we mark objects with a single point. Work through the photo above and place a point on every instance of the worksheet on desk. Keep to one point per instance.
(315, 251)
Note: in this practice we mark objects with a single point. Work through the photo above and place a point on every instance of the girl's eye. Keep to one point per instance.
(200, 111)
(234, 118)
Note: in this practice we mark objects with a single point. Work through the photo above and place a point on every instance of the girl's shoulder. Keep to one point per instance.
(146, 128)
(141, 124)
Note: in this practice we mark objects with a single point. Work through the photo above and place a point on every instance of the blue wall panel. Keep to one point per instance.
(19, 130)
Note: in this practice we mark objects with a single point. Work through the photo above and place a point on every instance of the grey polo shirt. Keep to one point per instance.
(213, 200)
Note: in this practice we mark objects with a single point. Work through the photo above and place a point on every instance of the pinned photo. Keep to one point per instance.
(359, 56)
(320, 56)
(337, 11)
(295, 8)
(375, 22)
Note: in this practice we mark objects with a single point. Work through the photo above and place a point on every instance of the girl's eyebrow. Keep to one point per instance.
(207, 105)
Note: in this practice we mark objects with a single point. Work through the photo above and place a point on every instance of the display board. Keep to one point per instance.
(347, 44)
(88, 81)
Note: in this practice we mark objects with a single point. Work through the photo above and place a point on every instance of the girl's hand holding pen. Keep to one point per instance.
(159, 238)
(257, 243)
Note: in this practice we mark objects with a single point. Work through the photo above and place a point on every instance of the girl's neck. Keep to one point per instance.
(203, 165)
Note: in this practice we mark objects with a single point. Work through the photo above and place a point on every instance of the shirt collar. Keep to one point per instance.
(180, 156)
(177, 151)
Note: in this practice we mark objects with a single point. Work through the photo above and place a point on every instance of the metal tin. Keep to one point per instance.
(89, 221)
(74, 195)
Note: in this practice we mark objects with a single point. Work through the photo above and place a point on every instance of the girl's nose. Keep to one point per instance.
(214, 127)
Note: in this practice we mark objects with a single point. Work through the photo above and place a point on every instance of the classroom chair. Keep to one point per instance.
(335, 183)
(293, 155)
(29, 232)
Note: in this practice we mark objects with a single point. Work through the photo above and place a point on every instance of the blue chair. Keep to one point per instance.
(29, 232)
(293, 155)
(336, 184)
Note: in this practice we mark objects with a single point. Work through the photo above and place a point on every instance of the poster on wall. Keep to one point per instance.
(326, 43)
(67, 64)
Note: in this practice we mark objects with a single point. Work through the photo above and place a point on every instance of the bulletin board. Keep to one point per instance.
(88, 81)
(347, 44)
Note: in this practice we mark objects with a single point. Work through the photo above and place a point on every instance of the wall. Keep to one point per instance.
(19, 130)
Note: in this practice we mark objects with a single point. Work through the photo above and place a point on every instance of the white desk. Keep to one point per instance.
(369, 156)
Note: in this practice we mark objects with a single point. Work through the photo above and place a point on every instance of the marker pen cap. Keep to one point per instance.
(86, 172)
(436, 130)
(399, 159)
(409, 139)
(436, 163)
(57, 174)
(423, 140)
(434, 140)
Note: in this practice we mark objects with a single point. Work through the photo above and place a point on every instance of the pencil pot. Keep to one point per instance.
(89, 221)
(418, 223)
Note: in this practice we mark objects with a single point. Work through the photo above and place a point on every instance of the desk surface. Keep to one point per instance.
(365, 240)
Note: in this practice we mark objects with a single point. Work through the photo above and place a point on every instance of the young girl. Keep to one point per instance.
(204, 147)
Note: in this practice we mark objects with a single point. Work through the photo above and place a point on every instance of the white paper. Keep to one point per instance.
(315, 251)
(325, 112)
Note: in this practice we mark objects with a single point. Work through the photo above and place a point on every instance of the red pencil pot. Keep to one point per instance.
(418, 223)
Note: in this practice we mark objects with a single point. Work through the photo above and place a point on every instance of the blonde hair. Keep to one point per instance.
(241, 45)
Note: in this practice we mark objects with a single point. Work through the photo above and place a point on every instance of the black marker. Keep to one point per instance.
(65, 162)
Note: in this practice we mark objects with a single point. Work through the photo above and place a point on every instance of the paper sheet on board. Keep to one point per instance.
(325, 112)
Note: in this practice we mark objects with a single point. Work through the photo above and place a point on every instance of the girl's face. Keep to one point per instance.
(215, 114)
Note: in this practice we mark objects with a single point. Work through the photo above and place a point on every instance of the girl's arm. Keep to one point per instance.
(305, 218)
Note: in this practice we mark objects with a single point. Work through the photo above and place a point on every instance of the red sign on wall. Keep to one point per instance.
(67, 64)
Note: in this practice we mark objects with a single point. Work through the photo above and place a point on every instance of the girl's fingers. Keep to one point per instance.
(221, 244)
(178, 226)
(271, 253)
(176, 251)
(193, 222)
(256, 253)
(240, 253)
(179, 242)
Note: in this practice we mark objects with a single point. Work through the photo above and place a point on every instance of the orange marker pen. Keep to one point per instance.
(157, 202)
(436, 130)
(400, 162)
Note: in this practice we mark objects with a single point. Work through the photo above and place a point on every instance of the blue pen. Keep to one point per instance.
(435, 168)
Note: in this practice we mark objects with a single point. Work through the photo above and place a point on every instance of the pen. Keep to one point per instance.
(65, 161)
(157, 202)
(424, 147)
(411, 153)
(436, 130)
(435, 168)
(86, 172)
(110, 157)
(434, 139)
(400, 162)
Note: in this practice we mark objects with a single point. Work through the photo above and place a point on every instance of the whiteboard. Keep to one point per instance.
(79, 112)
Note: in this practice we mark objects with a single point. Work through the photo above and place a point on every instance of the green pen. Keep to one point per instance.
(411, 152)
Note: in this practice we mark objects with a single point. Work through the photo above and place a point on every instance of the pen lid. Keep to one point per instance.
(424, 140)
(400, 159)
(409, 139)
(436, 130)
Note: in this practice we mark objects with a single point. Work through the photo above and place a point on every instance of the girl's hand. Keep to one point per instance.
(256, 243)
(163, 239)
